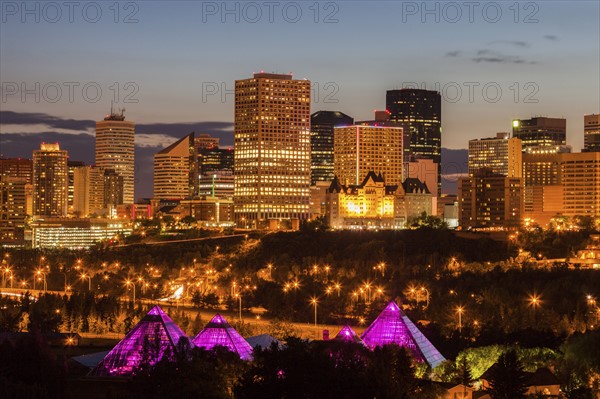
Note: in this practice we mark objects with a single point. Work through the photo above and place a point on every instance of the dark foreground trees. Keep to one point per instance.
(28, 370)
(507, 377)
(300, 370)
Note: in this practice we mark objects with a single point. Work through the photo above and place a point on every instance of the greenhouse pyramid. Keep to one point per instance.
(153, 338)
(220, 333)
(392, 326)
(347, 334)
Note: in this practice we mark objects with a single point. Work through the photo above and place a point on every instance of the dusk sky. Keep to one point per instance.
(544, 57)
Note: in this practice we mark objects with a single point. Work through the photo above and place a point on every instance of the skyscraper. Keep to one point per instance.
(71, 168)
(50, 181)
(591, 133)
(175, 170)
(490, 200)
(561, 183)
(115, 149)
(420, 111)
(204, 140)
(215, 159)
(321, 143)
(500, 154)
(540, 132)
(360, 149)
(272, 149)
(16, 168)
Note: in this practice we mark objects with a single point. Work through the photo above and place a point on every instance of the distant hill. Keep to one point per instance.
(454, 164)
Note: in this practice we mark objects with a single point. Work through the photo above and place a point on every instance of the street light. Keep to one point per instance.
(84, 276)
(40, 274)
(534, 302)
(315, 301)
(460, 310)
(239, 296)
(128, 283)
(338, 287)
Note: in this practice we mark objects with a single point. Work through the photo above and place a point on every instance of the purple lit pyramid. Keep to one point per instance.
(347, 334)
(392, 326)
(154, 337)
(220, 333)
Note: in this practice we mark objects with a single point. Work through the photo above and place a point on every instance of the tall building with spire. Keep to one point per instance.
(272, 149)
(420, 111)
(115, 149)
(50, 181)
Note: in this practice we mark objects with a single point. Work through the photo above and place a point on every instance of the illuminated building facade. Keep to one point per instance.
(318, 199)
(561, 183)
(16, 168)
(367, 205)
(203, 141)
(412, 200)
(591, 133)
(175, 170)
(272, 149)
(13, 207)
(218, 332)
(115, 149)
(219, 183)
(420, 111)
(50, 181)
(74, 233)
(393, 327)
(360, 149)
(580, 178)
(501, 154)
(424, 170)
(540, 131)
(322, 143)
(130, 354)
(215, 159)
(208, 211)
(96, 191)
(15, 197)
(71, 166)
(489, 200)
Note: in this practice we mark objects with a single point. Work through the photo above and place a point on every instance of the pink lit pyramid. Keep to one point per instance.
(347, 334)
(153, 338)
(392, 326)
(220, 333)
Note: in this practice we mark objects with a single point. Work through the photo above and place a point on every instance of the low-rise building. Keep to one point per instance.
(75, 233)
(373, 204)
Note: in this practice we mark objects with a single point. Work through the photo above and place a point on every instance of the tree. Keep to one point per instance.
(391, 374)
(507, 377)
(428, 221)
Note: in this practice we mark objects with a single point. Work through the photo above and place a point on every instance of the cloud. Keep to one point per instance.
(53, 122)
(153, 140)
(553, 38)
(516, 43)
(455, 53)
(22, 132)
(33, 123)
(487, 55)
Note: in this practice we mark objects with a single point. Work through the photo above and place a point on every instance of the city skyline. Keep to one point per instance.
(188, 85)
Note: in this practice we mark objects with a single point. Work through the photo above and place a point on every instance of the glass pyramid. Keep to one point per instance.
(392, 326)
(220, 333)
(154, 337)
(347, 334)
